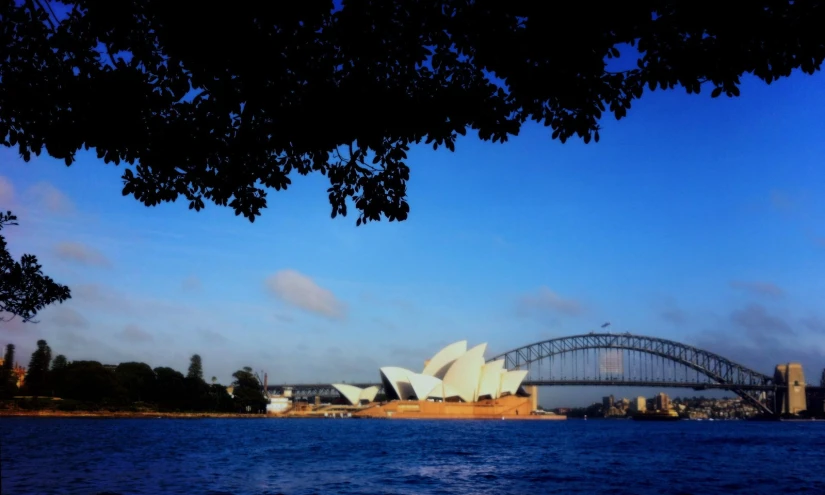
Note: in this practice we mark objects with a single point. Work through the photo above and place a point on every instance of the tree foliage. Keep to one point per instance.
(195, 368)
(247, 390)
(130, 385)
(221, 108)
(24, 289)
(60, 362)
(8, 382)
(171, 387)
(138, 381)
(8, 357)
(57, 375)
(37, 377)
(90, 381)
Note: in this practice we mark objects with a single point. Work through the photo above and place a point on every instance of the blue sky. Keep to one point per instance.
(693, 219)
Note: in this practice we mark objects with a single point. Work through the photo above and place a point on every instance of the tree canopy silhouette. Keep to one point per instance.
(236, 101)
(24, 289)
(37, 378)
(195, 368)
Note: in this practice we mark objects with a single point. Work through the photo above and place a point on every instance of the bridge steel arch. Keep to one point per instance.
(732, 376)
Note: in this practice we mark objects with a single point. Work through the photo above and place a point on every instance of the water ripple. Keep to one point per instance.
(47, 456)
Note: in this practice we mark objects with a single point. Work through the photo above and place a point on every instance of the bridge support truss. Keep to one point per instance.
(609, 354)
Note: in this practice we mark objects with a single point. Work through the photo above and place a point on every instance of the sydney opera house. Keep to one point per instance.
(456, 382)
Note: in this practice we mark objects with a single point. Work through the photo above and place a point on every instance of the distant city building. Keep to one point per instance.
(662, 402)
(822, 380)
(639, 404)
(277, 405)
(607, 402)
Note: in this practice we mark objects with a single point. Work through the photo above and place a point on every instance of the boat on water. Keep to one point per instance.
(669, 415)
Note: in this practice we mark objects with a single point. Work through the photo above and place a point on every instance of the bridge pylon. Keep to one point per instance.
(793, 399)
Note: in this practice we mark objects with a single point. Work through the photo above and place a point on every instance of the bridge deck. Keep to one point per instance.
(589, 383)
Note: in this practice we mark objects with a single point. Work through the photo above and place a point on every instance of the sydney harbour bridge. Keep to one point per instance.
(626, 360)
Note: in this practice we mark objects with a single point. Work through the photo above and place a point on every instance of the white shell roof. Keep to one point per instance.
(454, 372)
(439, 364)
(368, 394)
(491, 379)
(398, 379)
(511, 381)
(350, 392)
(423, 384)
(465, 373)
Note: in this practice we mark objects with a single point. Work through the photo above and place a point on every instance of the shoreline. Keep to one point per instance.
(174, 415)
(128, 415)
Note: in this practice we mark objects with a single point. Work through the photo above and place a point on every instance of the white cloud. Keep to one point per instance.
(191, 283)
(80, 253)
(6, 193)
(674, 315)
(64, 316)
(758, 288)
(546, 300)
(300, 291)
(814, 324)
(758, 323)
(211, 336)
(135, 334)
(51, 199)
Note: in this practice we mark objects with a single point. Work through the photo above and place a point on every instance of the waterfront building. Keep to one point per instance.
(278, 405)
(455, 382)
(639, 404)
(454, 374)
(662, 402)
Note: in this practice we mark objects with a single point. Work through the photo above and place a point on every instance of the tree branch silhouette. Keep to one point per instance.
(24, 289)
(223, 109)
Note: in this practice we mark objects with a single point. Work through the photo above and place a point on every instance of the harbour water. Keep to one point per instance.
(71, 456)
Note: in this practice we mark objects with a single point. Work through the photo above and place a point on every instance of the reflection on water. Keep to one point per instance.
(256, 457)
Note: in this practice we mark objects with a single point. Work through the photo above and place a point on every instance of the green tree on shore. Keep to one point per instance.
(37, 377)
(248, 390)
(138, 381)
(57, 375)
(59, 362)
(8, 358)
(195, 368)
(90, 381)
(131, 385)
(171, 388)
(8, 382)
